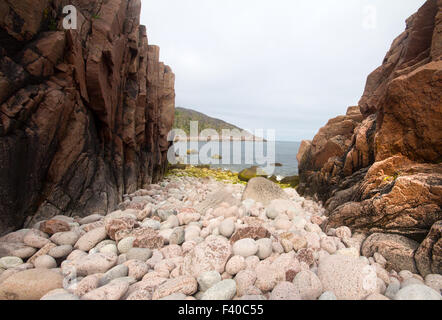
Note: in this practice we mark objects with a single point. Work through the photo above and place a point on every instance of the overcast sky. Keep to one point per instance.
(288, 65)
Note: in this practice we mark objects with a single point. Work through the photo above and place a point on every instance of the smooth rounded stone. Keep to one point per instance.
(308, 285)
(343, 232)
(299, 242)
(165, 233)
(18, 250)
(211, 254)
(116, 272)
(177, 236)
(227, 228)
(93, 263)
(350, 252)
(185, 285)
(14, 237)
(172, 222)
(328, 245)
(245, 247)
(114, 290)
(30, 284)
(235, 265)
(86, 284)
(277, 247)
(142, 254)
(36, 239)
(405, 275)
(282, 224)
(45, 262)
(299, 223)
(175, 297)
(411, 281)
(150, 223)
(434, 281)
(208, 279)
(379, 258)
(109, 248)
(393, 288)
(381, 287)
(347, 277)
(122, 258)
(137, 268)
(172, 251)
(417, 292)
(311, 227)
(65, 238)
(287, 245)
(140, 295)
(91, 239)
(10, 262)
(60, 251)
(280, 206)
(59, 294)
(165, 214)
(285, 291)
(265, 248)
(76, 254)
(268, 277)
(244, 280)
(126, 244)
(191, 233)
(223, 290)
(91, 219)
(328, 295)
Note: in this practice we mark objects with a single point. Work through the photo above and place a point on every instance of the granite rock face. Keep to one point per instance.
(378, 169)
(84, 113)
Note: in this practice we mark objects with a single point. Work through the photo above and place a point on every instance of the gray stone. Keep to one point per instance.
(114, 273)
(224, 290)
(208, 279)
(245, 247)
(142, 254)
(417, 292)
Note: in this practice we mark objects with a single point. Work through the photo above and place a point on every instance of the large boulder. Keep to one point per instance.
(397, 250)
(264, 191)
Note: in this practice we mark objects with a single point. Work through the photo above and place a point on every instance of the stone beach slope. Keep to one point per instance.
(190, 238)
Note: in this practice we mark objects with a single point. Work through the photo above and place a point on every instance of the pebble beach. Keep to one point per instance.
(202, 238)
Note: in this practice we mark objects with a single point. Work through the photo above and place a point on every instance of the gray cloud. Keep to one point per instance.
(281, 64)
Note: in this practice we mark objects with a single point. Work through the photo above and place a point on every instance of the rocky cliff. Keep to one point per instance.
(84, 113)
(378, 168)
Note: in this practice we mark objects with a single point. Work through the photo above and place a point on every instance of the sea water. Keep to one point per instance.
(243, 154)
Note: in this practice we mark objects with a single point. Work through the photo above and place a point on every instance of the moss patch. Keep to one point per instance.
(217, 174)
